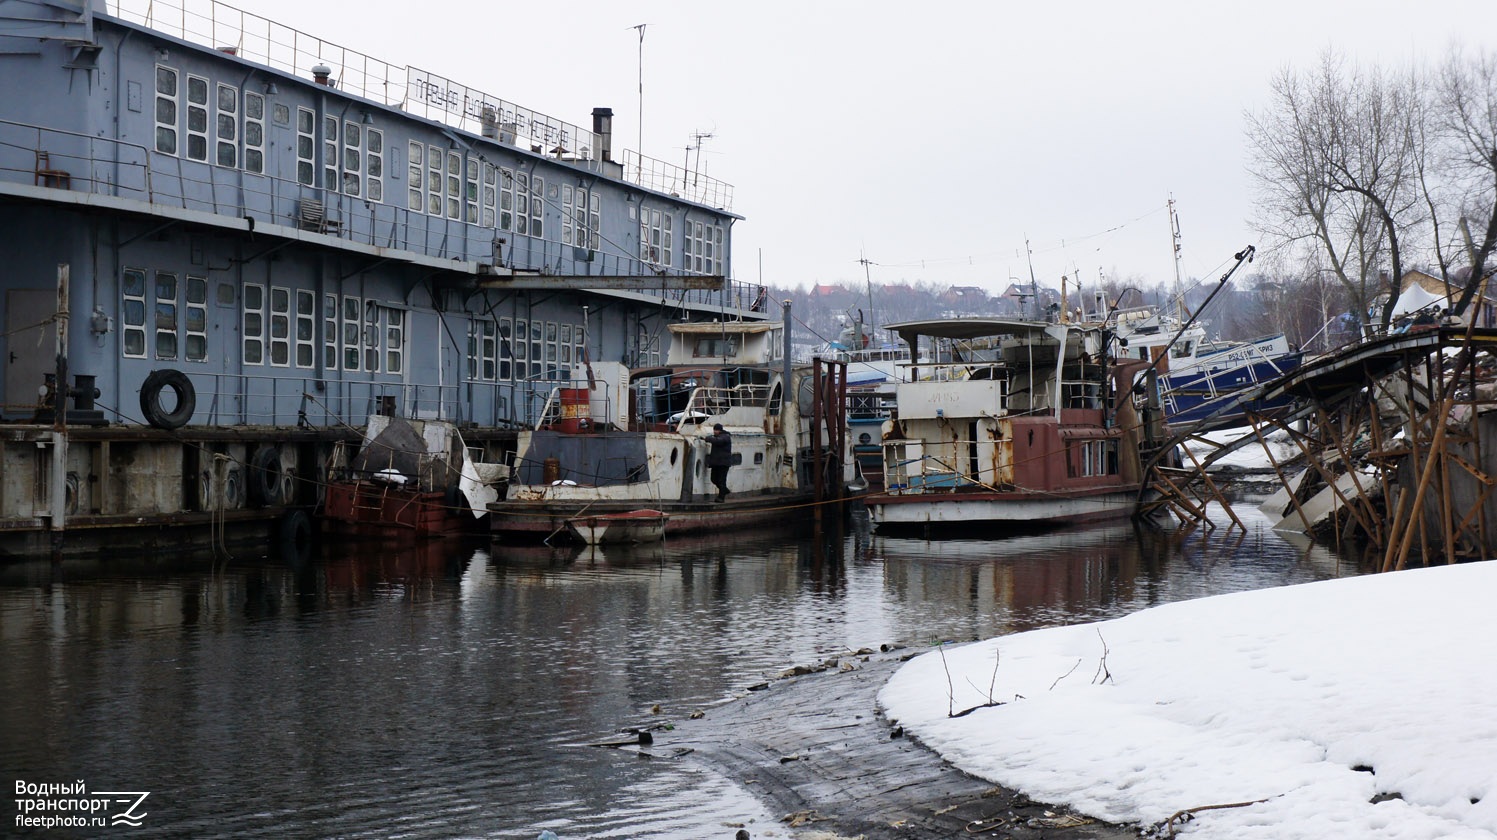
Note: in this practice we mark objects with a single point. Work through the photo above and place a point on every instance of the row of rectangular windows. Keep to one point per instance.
(514, 350)
(167, 319)
(442, 182)
(357, 334)
(164, 317)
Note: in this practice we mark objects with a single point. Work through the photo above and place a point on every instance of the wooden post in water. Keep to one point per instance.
(818, 413)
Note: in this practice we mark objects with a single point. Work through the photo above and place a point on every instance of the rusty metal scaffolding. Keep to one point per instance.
(1390, 435)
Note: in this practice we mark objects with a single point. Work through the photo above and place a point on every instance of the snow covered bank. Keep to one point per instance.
(1357, 708)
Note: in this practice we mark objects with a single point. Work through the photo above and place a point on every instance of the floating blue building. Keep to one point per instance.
(223, 240)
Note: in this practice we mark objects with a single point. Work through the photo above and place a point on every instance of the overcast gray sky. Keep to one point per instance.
(934, 138)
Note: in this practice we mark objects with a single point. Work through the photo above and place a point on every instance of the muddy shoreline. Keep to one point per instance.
(816, 750)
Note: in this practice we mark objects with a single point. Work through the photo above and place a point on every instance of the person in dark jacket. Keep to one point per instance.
(719, 458)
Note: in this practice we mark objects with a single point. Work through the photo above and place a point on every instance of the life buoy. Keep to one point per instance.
(150, 399)
(269, 483)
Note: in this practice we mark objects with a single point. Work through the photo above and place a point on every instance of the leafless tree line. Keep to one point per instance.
(1364, 173)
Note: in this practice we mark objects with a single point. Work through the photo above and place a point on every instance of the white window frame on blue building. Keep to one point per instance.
(168, 92)
(226, 126)
(254, 132)
(197, 118)
(195, 318)
(306, 147)
(167, 346)
(133, 311)
(656, 236)
(280, 326)
(415, 155)
(252, 324)
(305, 334)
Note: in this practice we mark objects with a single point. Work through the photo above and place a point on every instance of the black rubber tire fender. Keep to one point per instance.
(150, 399)
(268, 483)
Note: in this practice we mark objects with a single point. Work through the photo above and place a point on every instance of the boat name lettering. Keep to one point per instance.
(459, 99)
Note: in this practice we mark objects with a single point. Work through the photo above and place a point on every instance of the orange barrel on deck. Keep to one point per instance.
(551, 471)
(574, 409)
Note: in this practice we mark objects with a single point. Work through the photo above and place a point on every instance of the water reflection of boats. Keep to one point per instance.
(631, 526)
(361, 564)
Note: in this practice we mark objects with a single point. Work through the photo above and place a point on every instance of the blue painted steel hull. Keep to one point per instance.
(1210, 393)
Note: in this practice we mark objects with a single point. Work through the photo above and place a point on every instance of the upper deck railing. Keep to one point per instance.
(418, 92)
(82, 163)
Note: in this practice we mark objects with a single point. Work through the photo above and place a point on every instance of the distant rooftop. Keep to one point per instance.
(418, 92)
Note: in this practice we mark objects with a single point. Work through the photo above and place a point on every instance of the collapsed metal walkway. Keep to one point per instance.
(1390, 440)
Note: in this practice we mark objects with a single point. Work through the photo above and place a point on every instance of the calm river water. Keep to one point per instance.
(448, 690)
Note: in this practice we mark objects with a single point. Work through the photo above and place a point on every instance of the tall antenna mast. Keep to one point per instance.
(639, 146)
(1034, 285)
(1175, 238)
(695, 145)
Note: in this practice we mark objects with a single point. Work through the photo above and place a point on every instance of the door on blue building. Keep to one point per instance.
(30, 346)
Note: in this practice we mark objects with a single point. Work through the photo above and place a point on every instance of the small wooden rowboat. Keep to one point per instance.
(634, 526)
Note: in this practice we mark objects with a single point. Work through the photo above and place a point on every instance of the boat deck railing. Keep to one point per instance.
(424, 94)
(68, 163)
(236, 399)
(712, 400)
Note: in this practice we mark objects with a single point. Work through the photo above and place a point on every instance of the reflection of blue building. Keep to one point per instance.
(299, 236)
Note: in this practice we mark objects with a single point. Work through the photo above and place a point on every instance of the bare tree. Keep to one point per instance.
(1336, 156)
(1466, 95)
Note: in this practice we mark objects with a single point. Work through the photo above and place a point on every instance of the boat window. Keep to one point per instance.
(394, 339)
(280, 326)
(715, 347)
(413, 159)
(166, 315)
(537, 206)
(470, 198)
(655, 236)
(434, 158)
(197, 118)
(350, 332)
(228, 125)
(254, 132)
(196, 345)
(490, 195)
(330, 332)
(1183, 350)
(254, 324)
(506, 199)
(330, 153)
(134, 313)
(703, 246)
(371, 337)
(535, 349)
(306, 320)
(374, 164)
(166, 110)
(454, 185)
(506, 349)
(305, 146)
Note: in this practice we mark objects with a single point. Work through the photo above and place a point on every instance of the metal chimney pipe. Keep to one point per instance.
(603, 127)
